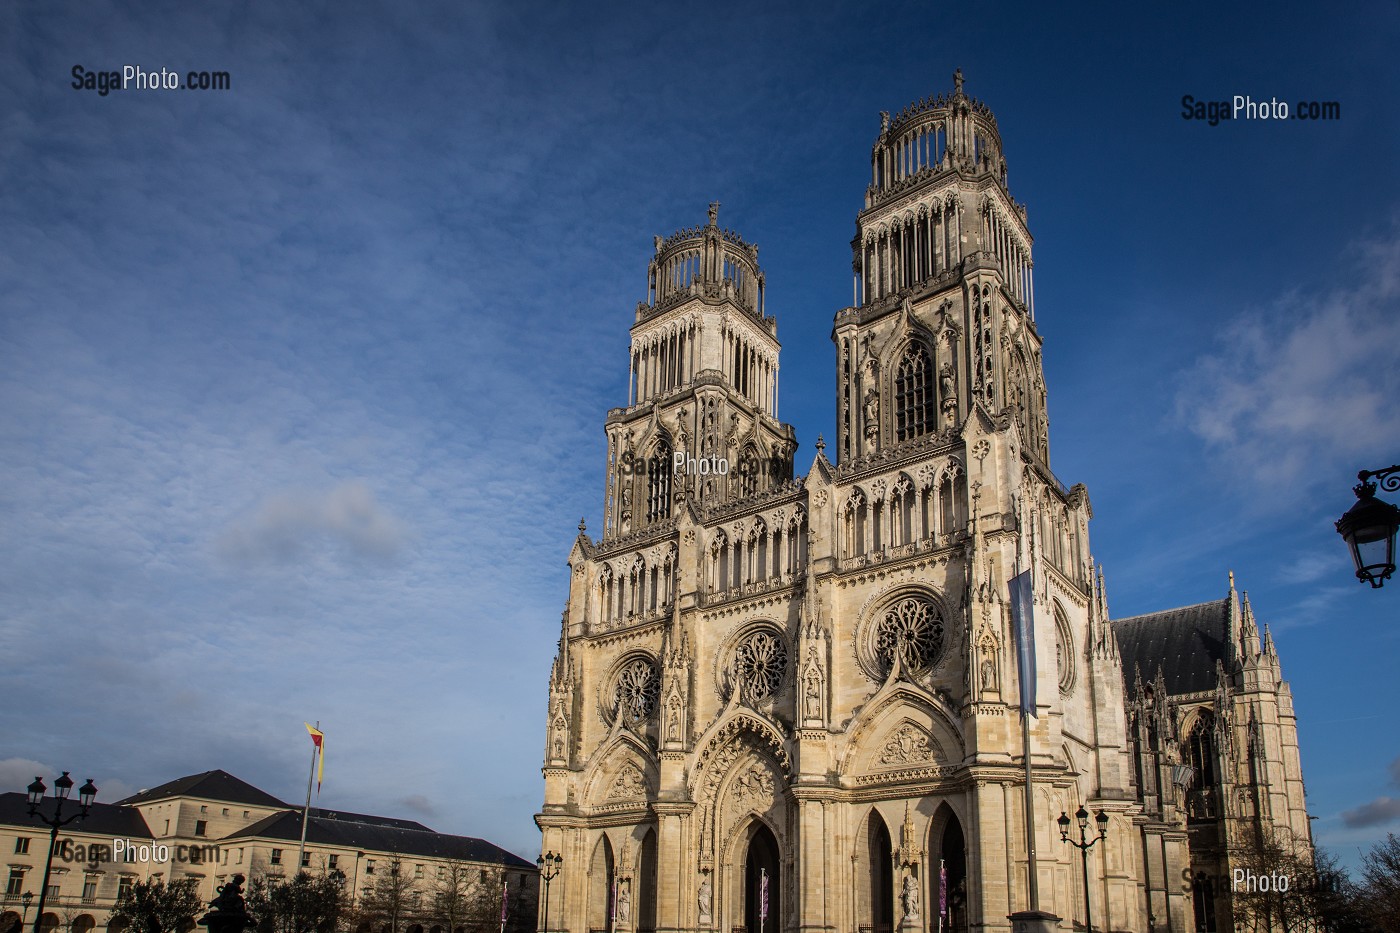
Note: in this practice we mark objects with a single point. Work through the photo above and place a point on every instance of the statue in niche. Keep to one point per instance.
(812, 691)
(559, 728)
(624, 902)
(704, 899)
(909, 898)
(989, 669)
(872, 414)
(673, 720)
(948, 381)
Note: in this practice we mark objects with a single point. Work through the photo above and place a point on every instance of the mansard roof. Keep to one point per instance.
(378, 834)
(1184, 642)
(103, 819)
(209, 785)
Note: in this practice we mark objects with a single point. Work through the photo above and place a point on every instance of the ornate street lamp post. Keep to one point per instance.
(549, 868)
(61, 789)
(1084, 845)
(1369, 526)
(27, 897)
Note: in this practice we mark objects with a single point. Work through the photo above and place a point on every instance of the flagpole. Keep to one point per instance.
(1032, 880)
(306, 811)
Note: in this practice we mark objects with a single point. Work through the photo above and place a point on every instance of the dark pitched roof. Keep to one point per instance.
(104, 819)
(209, 785)
(1184, 642)
(348, 817)
(354, 834)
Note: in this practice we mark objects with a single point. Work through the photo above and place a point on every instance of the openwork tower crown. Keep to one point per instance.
(931, 136)
(704, 262)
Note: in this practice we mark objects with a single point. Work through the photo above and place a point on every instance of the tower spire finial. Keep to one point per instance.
(714, 212)
(958, 82)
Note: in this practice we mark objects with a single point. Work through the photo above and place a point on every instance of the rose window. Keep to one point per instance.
(637, 689)
(759, 665)
(913, 629)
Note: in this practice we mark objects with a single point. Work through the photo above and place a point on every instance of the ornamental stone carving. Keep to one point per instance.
(912, 629)
(909, 745)
(628, 785)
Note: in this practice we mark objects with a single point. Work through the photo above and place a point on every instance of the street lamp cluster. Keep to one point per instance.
(1369, 526)
(62, 787)
(1084, 845)
(549, 864)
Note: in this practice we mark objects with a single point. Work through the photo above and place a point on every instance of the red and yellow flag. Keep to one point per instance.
(318, 738)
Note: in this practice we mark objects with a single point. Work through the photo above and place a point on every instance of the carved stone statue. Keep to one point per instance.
(872, 413)
(909, 898)
(673, 720)
(705, 900)
(812, 693)
(989, 669)
(624, 902)
(948, 381)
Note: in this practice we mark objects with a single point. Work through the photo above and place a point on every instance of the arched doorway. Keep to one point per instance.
(952, 887)
(646, 889)
(881, 875)
(761, 871)
(600, 887)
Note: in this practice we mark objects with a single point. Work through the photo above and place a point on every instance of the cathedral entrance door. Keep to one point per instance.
(761, 862)
(952, 850)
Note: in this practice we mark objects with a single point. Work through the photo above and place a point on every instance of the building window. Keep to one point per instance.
(418, 871)
(53, 890)
(442, 872)
(305, 859)
(276, 857)
(203, 808)
(913, 394)
(334, 862)
(200, 826)
(89, 888)
(124, 884)
(21, 845)
(483, 875)
(245, 814)
(167, 828)
(659, 469)
(240, 856)
(16, 882)
(369, 866)
(225, 813)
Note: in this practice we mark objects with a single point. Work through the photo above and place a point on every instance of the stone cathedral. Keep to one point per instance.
(792, 703)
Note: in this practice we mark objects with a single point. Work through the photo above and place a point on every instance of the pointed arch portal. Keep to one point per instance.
(761, 860)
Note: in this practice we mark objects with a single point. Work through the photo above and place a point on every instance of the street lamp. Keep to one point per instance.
(549, 868)
(62, 787)
(1084, 845)
(1369, 526)
(26, 897)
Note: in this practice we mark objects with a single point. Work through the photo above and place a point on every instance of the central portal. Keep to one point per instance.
(760, 862)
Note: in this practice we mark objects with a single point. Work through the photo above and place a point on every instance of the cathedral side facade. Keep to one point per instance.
(788, 702)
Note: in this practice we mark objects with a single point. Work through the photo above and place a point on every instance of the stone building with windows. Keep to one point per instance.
(211, 826)
(792, 703)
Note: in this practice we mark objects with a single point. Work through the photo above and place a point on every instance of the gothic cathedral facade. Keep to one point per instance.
(792, 703)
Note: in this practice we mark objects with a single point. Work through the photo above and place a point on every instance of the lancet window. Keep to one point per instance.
(659, 468)
(913, 391)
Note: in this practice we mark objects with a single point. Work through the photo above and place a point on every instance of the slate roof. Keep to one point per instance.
(210, 785)
(348, 832)
(103, 819)
(1185, 642)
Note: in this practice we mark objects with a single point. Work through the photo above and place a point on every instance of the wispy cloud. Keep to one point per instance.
(1304, 388)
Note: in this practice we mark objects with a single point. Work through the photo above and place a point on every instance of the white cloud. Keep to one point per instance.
(285, 525)
(1378, 812)
(16, 773)
(1304, 389)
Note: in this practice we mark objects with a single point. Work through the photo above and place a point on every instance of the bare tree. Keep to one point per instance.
(1380, 884)
(390, 900)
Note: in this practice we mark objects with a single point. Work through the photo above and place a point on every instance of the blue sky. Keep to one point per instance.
(302, 383)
